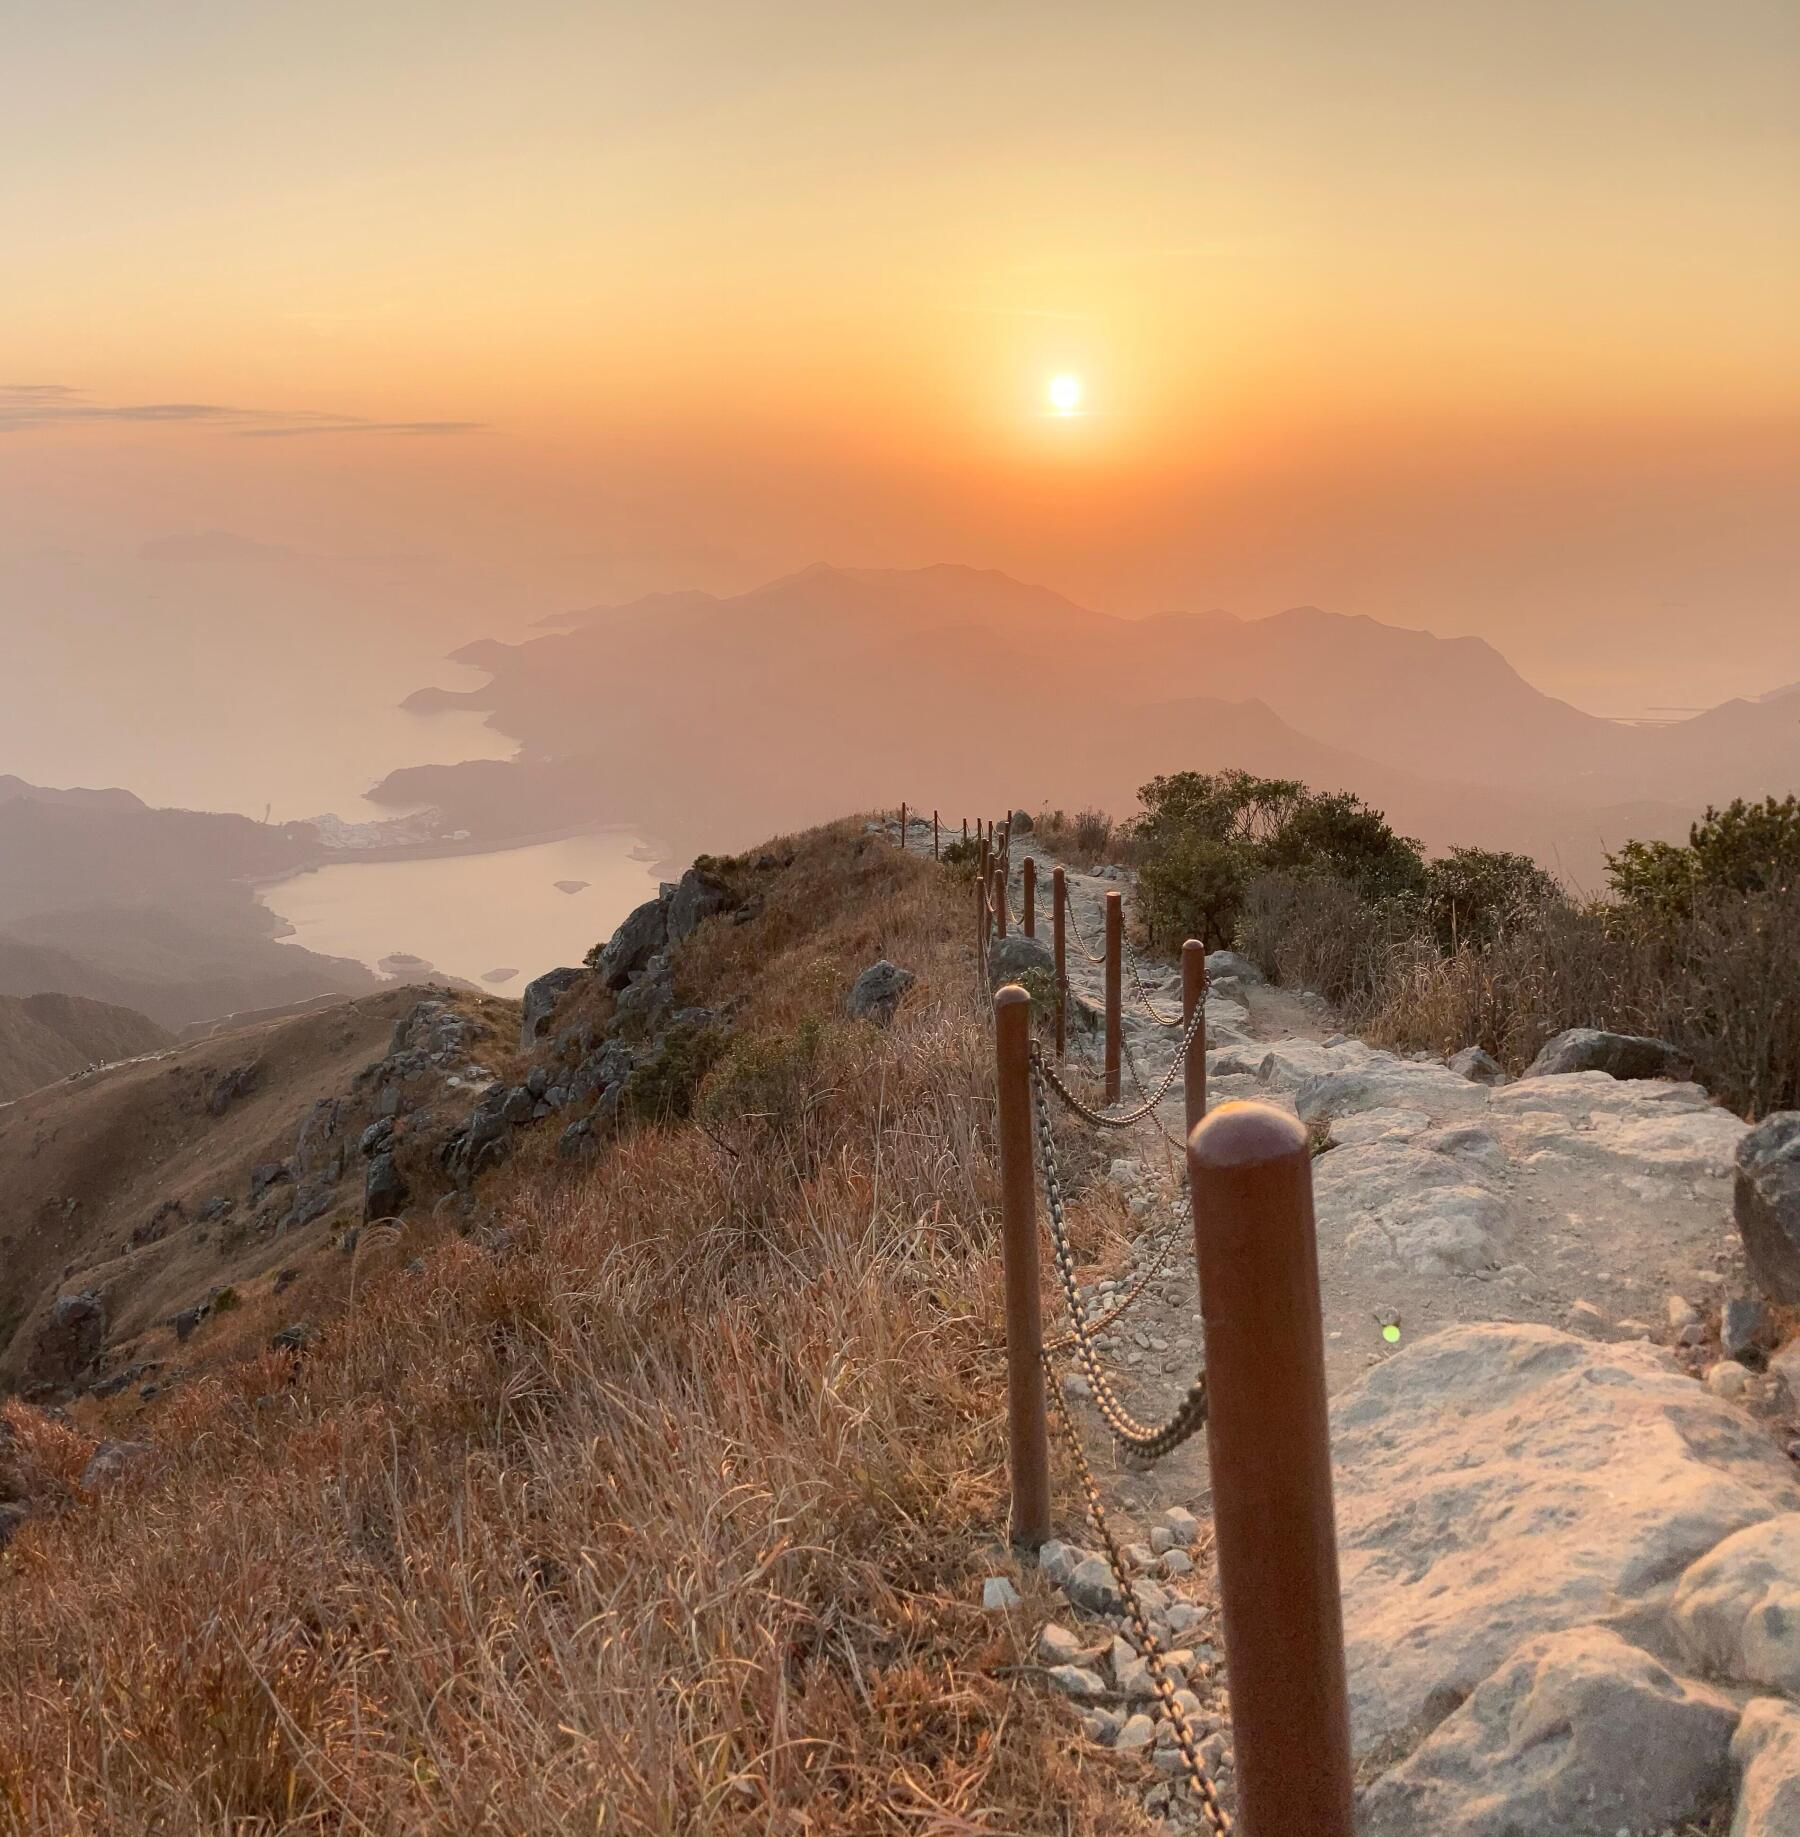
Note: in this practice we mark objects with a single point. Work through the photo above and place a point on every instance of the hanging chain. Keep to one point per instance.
(1142, 1441)
(1124, 1120)
(1149, 1647)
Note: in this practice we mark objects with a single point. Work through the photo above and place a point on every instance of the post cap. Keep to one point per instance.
(1010, 995)
(1245, 1134)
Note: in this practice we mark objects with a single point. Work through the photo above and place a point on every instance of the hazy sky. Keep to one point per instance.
(1476, 316)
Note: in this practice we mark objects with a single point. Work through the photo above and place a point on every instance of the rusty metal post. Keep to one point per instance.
(1250, 1172)
(1030, 897)
(981, 917)
(1028, 1436)
(984, 862)
(1059, 896)
(1000, 894)
(902, 825)
(965, 829)
(1115, 938)
(934, 836)
(1193, 995)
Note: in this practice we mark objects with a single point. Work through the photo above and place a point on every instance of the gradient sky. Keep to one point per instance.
(1480, 317)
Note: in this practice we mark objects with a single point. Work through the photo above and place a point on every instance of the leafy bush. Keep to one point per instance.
(1204, 837)
(661, 1087)
(1085, 839)
(1474, 894)
(770, 1079)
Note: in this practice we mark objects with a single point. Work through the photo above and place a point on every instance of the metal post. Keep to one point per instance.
(1030, 897)
(902, 825)
(1250, 1172)
(965, 829)
(934, 836)
(1115, 937)
(1059, 895)
(981, 917)
(1193, 995)
(1000, 894)
(1028, 1437)
(984, 863)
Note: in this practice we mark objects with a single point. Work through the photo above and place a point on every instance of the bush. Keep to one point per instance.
(1085, 839)
(661, 1088)
(1204, 837)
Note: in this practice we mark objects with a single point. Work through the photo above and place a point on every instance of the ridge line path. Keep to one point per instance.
(1576, 1201)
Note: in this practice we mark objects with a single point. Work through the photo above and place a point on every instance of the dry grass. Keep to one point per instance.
(1721, 981)
(668, 1516)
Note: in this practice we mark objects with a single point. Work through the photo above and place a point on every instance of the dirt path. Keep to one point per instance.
(1575, 1201)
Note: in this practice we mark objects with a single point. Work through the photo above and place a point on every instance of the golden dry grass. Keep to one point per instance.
(668, 1516)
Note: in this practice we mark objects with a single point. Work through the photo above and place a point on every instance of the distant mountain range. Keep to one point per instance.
(709, 721)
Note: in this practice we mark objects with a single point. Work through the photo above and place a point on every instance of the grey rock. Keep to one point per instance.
(1058, 1560)
(877, 991)
(1577, 1733)
(1228, 963)
(188, 1320)
(1090, 1584)
(644, 932)
(1076, 1681)
(1784, 1367)
(1742, 1324)
(1765, 1756)
(1020, 823)
(541, 995)
(1495, 1483)
(698, 895)
(1620, 1055)
(1015, 955)
(648, 1000)
(1475, 1064)
(265, 1175)
(70, 1340)
(385, 1191)
(518, 1105)
(110, 1460)
(998, 1594)
(295, 1337)
(376, 1135)
(1139, 1732)
(1056, 1645)
(1767, 1204)
(575, 1139)
(537, 1080)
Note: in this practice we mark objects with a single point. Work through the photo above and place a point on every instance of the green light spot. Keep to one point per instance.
(1391, 1334)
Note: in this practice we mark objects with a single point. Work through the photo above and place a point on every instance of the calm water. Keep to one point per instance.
(469, 914)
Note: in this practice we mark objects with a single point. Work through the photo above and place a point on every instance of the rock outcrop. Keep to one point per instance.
(877, 991)
(1767, 1203)
(1620, 1055)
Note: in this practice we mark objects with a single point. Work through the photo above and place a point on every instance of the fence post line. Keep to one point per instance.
(1000, 894)
(1028, 1434)
(1115, 938)
(1030, 897)
(1250, 1177)
(1059, 894)
(1193, 995)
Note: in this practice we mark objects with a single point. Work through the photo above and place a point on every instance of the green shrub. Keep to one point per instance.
(770, 1078)
(661, 1087)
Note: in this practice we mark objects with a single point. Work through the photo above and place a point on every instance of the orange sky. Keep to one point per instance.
(1476, 317)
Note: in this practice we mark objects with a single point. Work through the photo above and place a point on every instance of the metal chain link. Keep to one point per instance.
(1125, 1120)
(1143, 992)
(1074, 926)
(1143, 1441)
(1149, 1647)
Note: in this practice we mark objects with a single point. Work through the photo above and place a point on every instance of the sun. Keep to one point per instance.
(1065, 394)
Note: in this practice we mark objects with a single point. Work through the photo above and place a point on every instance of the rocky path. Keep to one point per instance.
(1546, 1521)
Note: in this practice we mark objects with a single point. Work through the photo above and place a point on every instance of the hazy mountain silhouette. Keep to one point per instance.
(706, 719)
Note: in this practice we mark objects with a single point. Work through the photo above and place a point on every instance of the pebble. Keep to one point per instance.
(998, 1594)
(1182, 1615)
(1059, 1561)
(1077, 1681)
(1101, 1725)
(1162, 1539)
(1183, 1525)
(1682, 1313)
(1728, 1379)
(1057, 1645)
(1140, 1556)
(1139, 1732)
(1176, 1562)
(1090, 1585)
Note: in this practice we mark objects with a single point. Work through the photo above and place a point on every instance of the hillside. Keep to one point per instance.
(48, 1036)
(104, 897)
(811, 691)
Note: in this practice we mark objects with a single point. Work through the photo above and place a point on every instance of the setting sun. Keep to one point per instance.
(1065, 394)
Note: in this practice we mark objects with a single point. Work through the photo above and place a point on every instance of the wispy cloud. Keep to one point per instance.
(28, 407)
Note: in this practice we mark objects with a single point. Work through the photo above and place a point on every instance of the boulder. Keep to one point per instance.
(1579, 1734)
(644, 932)
(1623, 1055)
(1228, 963)
(70, 1340)
(542, 993)
(1495, 1483)
(1765, 1756)
(1422, 1209)
(1020, 823)
(699, 894)
(1737, 1610)
(385, 1191)
(1767, 1203)
(877, 991)
(649, 999)
(1478, 1066)
(1015, 956)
